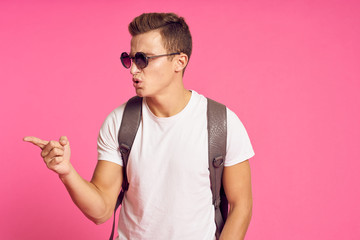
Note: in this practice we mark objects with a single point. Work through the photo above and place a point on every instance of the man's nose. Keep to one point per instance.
(134, 69)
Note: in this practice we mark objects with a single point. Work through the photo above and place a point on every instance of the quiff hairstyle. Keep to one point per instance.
(174, 31)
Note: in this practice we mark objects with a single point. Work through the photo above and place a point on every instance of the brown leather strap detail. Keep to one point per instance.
(216, 115)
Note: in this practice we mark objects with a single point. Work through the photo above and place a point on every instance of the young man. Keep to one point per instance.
(169, 195)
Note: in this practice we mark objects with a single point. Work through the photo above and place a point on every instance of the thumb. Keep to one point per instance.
(63, 141)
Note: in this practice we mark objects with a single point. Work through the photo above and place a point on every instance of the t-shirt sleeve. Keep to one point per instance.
(107, 142)
(239, 147)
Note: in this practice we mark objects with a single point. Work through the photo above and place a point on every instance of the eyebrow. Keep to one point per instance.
(146, 53)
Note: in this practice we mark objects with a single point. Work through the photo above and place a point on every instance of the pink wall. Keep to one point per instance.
(289, 69)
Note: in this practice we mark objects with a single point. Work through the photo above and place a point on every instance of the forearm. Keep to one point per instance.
(237, 222)
(89, 199)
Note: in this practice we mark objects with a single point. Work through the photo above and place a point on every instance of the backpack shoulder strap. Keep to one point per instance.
(129, 126)
(217, 132)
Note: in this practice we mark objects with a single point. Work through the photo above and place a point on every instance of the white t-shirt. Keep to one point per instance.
(169, 195)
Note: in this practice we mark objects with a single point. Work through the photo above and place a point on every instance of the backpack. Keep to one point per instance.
(217, 125)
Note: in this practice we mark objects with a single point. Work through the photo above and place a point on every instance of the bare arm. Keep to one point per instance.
(237, 185)
(97, 198)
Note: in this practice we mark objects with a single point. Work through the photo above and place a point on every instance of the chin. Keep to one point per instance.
(140, 93)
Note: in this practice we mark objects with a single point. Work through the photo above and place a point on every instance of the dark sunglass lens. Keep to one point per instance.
(125, 60)
(140, 60)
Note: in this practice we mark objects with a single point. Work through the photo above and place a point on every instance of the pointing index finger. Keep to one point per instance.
(36, 141)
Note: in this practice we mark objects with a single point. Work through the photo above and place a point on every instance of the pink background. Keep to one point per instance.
(289, 69)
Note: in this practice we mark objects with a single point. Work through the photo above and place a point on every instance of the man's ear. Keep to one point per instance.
(181, 62)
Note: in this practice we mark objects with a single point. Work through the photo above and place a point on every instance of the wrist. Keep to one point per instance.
(67, 175)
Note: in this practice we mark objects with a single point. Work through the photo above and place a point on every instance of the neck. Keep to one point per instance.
(170, 104)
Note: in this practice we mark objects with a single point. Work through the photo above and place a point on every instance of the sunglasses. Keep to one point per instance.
(140, 59)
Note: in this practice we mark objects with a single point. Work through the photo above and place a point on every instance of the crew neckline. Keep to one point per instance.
(174, 117)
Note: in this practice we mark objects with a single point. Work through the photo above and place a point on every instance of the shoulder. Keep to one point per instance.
(115, 115)
(113, 120)
(107, 143)
(239, 147)
(232, 118)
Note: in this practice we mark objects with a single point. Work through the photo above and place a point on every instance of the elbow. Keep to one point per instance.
(99, 219)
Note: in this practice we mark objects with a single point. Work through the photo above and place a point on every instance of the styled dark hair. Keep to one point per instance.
(173, 29)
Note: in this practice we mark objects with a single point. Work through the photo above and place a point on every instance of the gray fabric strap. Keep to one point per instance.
(216, 115)
(129, 126)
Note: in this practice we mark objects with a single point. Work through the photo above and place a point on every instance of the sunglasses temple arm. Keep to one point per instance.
(163, 55)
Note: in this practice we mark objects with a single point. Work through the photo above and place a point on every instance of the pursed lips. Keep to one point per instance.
(136, 82)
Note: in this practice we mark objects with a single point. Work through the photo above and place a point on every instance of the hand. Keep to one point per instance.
(56, 154)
